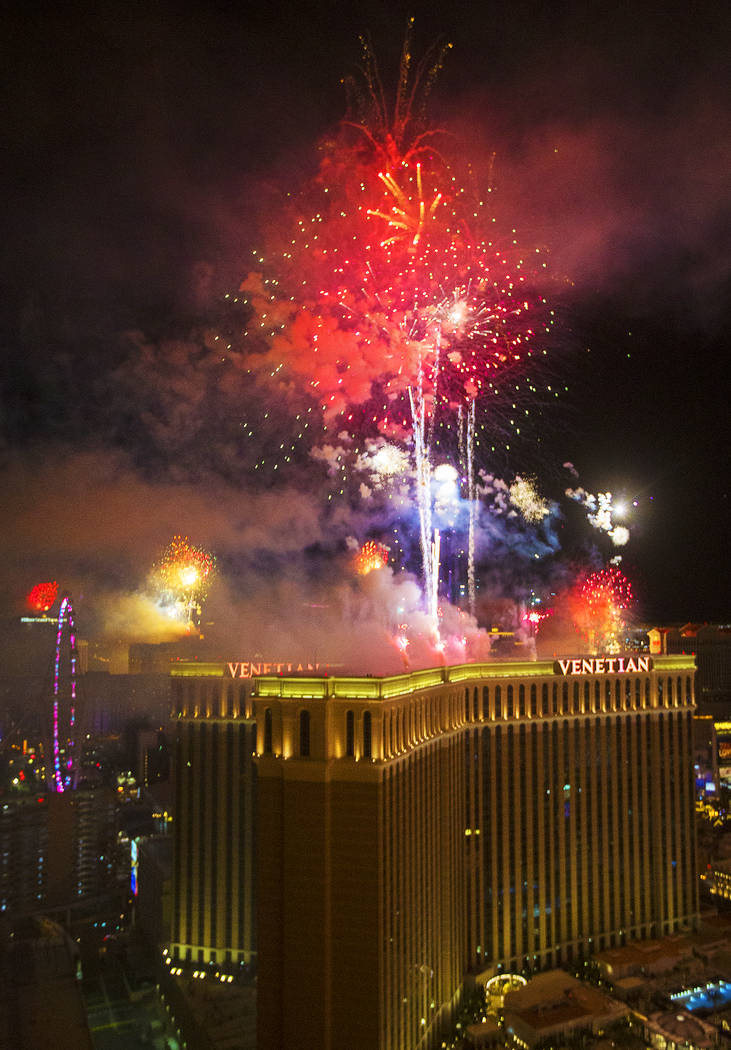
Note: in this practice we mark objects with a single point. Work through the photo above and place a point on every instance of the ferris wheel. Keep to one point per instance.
(62, 765)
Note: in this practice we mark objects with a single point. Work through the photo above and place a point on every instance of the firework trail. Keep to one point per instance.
(467, 449)
(428, 539)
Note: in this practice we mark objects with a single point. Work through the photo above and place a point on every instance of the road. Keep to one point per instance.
(118, 1023)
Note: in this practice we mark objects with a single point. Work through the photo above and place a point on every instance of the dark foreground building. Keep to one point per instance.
(415, 829)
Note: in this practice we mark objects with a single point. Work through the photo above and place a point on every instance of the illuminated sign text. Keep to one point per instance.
(250, 668)
(604, 665)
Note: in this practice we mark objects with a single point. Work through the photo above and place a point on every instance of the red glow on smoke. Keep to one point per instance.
(41, 597)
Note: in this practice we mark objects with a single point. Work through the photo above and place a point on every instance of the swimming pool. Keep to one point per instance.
(704, 997)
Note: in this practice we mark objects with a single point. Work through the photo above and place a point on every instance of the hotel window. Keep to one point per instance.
(349, 734)
(475, 712)
(534, 700)
(544, 699)
(587, 696)
(367, 736)
(554, 699)
(576, 698)
(304, 733)
(498, 702)
(268, 731)
(564, 698)
(509, 705)
(521, 701)
(485, 702)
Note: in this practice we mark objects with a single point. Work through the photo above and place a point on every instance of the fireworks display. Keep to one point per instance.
(181, 578)
(41, 597)
(525, 496)
(600, 605)
(417, 331)
(601, 513)
(371, 556)
(390, 347)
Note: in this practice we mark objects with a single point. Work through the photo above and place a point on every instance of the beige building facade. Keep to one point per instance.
(415, 829)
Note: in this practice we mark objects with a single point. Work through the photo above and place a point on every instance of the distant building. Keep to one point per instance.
(111, 701)
(56, 849)
(718, 878)
(705, 757)
(711, 646)
(153, 888)
(23, 854)
(644, 958)
(680, 1030)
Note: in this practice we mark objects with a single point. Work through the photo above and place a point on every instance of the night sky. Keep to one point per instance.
(146, 149)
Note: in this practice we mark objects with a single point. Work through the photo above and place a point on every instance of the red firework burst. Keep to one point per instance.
(599, 606)
(41, 597)
(371, 556)
(389, 275)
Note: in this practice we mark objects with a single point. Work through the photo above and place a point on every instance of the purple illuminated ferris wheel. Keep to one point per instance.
(62, 764)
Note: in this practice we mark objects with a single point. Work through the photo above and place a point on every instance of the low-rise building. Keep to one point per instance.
(644, 958)
(675, 1030)
(555, 1005)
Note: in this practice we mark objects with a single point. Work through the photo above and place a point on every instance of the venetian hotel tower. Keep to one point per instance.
(417, 829)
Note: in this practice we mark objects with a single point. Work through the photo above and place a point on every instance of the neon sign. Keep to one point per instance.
(604, 665)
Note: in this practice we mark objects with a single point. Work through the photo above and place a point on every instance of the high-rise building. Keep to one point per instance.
(417, 829)
(23, 854)
(213, 917)
(56, 849)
